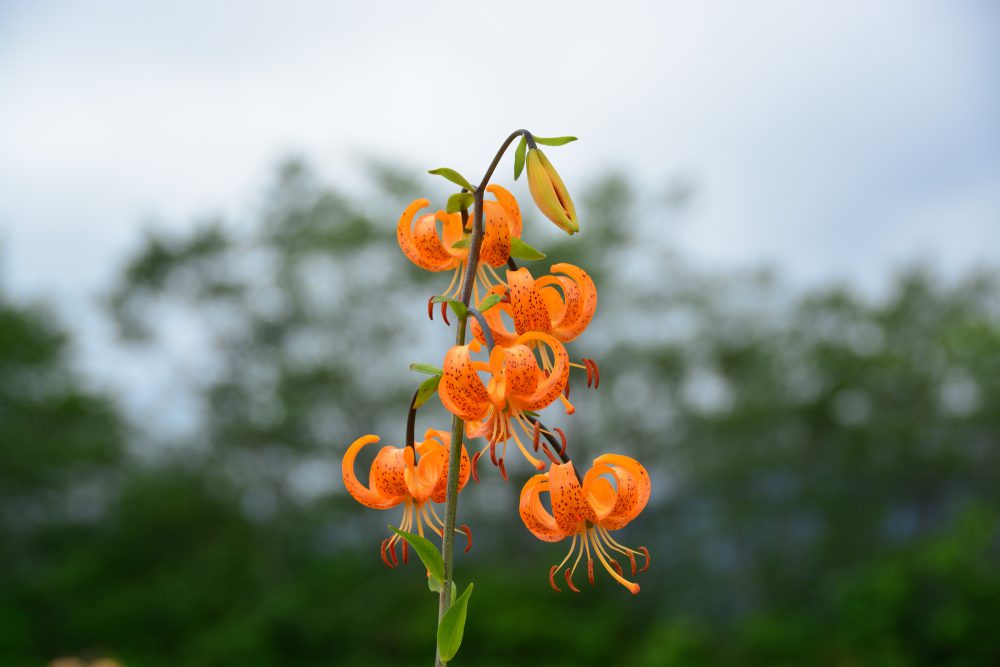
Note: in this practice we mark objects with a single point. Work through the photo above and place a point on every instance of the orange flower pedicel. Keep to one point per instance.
(496, 385)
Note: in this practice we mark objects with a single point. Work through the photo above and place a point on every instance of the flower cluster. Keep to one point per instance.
(496, 385)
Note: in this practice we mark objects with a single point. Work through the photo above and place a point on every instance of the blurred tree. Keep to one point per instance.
(824, 464)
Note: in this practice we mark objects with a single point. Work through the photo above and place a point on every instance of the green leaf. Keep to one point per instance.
(440, 299)
(452, 626)
(435, 586)
(522, 250)
(459, 308)
(426, 389)
(554, 141)
(430, 369)
(452, 176)
(458, 201)
(429, 554)
(489, 302)
(462, 243)
(519, 157)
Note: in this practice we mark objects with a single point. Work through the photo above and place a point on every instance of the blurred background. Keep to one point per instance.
(792, 211)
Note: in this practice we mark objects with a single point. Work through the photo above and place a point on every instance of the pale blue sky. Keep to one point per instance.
(836, 139)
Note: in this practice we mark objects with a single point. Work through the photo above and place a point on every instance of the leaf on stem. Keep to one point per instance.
(429, 554)
(462, 243)
(452, 626)
(554, 141)
(430, 369)
(458, 201)
(521, 250)
(519, 154)
(489, 302)
(452, 176)
(426, 389)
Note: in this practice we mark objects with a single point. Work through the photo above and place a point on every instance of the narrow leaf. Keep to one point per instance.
(452, 176)
(519, 157)
(489, 302)
(429, 554)
(462, 243)
(554, 141)
(426, 389)
(430, 369)
(522, 250)
(458, 201)
(459, 308)
(452, 626)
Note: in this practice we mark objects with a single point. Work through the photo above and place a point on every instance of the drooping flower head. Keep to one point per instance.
(517, 384)
(448, 250)
(614, 491)
(560, 305)
(398, 475)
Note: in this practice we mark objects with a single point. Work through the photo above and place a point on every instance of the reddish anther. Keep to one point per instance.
(468, 536)
(569, 581)
(406, 553)
(645, 552)
(552, 578)
(566, 391)
(444, 313)
(385, 558)
(536, 434)
(614, 563)
(503, 471)
(597, 374)
(475, 460)
(548, 453)
(590, 372)
(430, 308)
(631, 560)
(493, 453)
(590, 570)
(562, 436)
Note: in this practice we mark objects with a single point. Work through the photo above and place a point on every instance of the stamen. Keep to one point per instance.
(444, 315)
(406, 552)
(645, 552)
(503, 471)
(552, 581)
(531, 459)
(468, 536)
(549, 454)
(569, 581)
(385, 558)
(597, 372)
(475, 460)
(565, 401)
(562, 436)
(590, 570)
(590, 373)
(430, 308)
(536, 434)
(566, 391)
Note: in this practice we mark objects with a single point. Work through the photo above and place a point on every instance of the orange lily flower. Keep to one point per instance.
(559, 305)
(396, 478)
(429, 250)
(517, 384)
(588, 513)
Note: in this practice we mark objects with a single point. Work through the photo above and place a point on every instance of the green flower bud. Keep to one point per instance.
(549, 193)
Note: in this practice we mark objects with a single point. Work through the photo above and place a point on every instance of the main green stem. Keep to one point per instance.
(457, 425)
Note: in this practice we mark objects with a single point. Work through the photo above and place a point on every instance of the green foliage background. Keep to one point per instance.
(825, 465)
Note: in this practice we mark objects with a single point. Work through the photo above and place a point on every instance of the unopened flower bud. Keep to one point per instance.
(549, 193)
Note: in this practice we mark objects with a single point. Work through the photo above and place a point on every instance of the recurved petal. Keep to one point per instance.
(461, 391)
(527, 306)
(495, 250)
(388, 473)
(549, 389)
(433, 252)
(568, 505)
(510, 206)
(598, 492)
(534, 515)
(404, 231)
(633, 489)
(359, 491)
(580, 296)
(521, 370)
(494, 319)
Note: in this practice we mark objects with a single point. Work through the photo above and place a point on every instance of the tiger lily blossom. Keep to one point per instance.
(517, 385)
(614, 491)
(425, 247)
(560, 305)
(400, 475)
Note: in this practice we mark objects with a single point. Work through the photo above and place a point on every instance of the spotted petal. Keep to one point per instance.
(369, 497)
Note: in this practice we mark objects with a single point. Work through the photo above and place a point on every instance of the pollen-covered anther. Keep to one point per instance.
(406, 552)
(552, 578)
(430, 308)
(536, 433)
(444, 313)
(562, 437)
(590, 571)
(468, 536)
(503, 470)
(475, 470)
(569, 580)
(645, 552)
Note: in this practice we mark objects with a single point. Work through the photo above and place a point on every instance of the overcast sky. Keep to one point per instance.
(836, 139)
